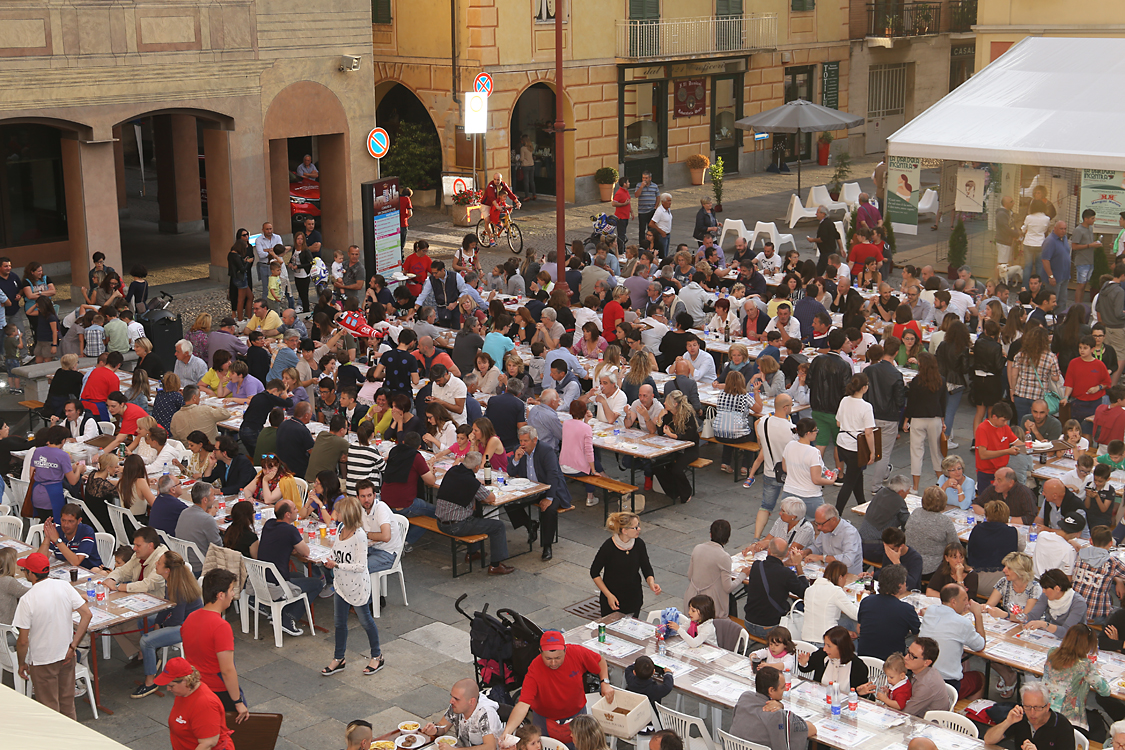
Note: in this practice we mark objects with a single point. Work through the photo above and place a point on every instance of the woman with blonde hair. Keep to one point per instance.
(640, 373)
(65, 385)
(990, 542)
(101, 489)
(587, 733)
(769, 377)
(514, 369)
(611, 362)
(678, 423)
(1069, 673)
(620, 565)
(163, 628)
(168, 401)
(352, 585)
(200, 332)
(139, 445)
(146, 360)
(273, 482)
(738, 360)
(732, 417)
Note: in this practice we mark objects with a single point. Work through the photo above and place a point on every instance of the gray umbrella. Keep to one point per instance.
(798, 117)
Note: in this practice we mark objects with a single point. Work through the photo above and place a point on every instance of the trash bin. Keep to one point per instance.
(163, 329)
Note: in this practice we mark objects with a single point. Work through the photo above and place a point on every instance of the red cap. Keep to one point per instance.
(176, 669)
(552, 640)
(36, 563)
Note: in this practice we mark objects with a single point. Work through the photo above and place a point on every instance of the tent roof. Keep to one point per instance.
(1045, 102)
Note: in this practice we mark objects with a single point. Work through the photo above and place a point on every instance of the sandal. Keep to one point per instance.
(369, 670)
(331, 670)
(726, 469)
(1004, 689)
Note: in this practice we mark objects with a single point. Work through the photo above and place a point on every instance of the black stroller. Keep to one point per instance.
(503, 648)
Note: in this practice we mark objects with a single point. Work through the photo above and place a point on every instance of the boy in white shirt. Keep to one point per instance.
(1080, 477)
(1056, 548)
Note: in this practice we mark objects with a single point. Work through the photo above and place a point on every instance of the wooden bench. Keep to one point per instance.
(699, 463)
(608, 487)
(748, 445)
(33, 408)
(36, 374)
(456, 543)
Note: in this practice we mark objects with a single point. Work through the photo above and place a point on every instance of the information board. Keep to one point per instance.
(903, 178)
(830, 85)
(382, 232)
(1103, 190)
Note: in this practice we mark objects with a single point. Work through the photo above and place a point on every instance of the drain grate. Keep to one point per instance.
(588, 609)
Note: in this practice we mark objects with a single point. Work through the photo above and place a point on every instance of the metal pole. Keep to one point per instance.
(560, 133)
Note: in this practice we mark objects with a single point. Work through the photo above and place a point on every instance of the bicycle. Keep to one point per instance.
(506, 227)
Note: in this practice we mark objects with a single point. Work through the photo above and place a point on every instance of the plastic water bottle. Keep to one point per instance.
(971, 518)
(91, 593)
(100, 593)
(836, 706)
(1032, 534)
(257, 516)
(853, 701)
(788, 679)
(661, 648)
(828, 694)
(241, 496)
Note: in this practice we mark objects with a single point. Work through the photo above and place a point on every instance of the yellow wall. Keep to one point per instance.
(1012, 20)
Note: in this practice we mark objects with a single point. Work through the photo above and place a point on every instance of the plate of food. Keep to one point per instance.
(446, 741)
(410, 739)
(409, 726)
(383, 745)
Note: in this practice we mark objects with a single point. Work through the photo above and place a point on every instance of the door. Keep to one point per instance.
(726, 107)
(886, 104)
(644, 109)
(728, 26)
(799, 83)
(644, 28)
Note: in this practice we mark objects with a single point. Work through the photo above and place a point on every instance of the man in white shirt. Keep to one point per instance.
(264, 253)
(384, 537)
(702, 363)
(693, 296)
(47, 638)
(653, 334)
(781, 433)
(610, 400)
(784, 323)
(959, 302)
(82, 424)
(136, 330)
(1055, 548)
(843, 272)
(450, 392)
(768, 261)
(858, 343)
(661, 224)
(645, 411)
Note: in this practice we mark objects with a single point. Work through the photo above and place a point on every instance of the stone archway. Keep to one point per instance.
(539, 96)
(406, 118)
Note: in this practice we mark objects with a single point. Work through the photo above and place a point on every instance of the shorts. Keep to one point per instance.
(827, 428)
(43, 350)
(986, 391)
(1083, 273)
(11, 364)
(1003, 254)
(240, 282)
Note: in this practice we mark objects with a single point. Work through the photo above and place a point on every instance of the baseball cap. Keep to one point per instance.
(228, 323)
(552, 640)
(670, 292)
(36, 563)
(175, 669)
(1072, 523)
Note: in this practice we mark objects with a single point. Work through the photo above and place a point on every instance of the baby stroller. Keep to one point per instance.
(605, 230)
(503, 648)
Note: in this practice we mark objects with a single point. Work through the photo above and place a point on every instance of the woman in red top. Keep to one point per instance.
(197, 720)
(614, 313)
(903, 320)
(862, 250)
(622, 211)
(418, 263)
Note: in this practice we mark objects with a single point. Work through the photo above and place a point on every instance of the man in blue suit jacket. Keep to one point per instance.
(543, 468)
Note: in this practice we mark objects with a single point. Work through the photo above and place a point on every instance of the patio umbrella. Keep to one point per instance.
(799, 116)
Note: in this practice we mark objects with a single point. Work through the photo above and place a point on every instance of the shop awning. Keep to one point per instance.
(1048, 102)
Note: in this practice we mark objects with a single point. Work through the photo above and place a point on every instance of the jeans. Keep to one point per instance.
(853, 478)
(642, 225)
(811, 504)
(1060, 291)
(622, 228)
(157, 639)
(340, 618)
(757, 630)
(882, 468)
(771, 491)
(528, 180)
(417, 508)
(1023, 407)
(264, 276)
(951, 405)
(308, 586)
(660, 245)
(497, 534)
(379, 559)
(1031, 255)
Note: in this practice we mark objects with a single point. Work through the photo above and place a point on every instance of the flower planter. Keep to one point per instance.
(822, 150)
(468, 216)
(697, 176)
(605, 191)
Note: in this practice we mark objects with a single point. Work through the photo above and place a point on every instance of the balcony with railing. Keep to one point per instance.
(892, 20)
(690, 37)
(962, 16)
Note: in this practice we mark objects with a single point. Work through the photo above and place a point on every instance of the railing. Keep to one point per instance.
(893, 19)
(696, 36)
(962, 16)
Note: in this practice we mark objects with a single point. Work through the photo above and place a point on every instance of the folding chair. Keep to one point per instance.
(953, 721)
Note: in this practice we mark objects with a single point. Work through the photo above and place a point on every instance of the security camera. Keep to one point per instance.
(349, 63)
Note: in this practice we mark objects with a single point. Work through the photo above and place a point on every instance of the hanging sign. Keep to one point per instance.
(903, 180)
(476, 112)
(690, 97)
(1103, 190)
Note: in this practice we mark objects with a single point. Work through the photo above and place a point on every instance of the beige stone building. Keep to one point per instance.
(220, 85)
(1002, 23)
(646, 83)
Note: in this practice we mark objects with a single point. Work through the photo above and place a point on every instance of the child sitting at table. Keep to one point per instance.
(529, 737)
(537, 367)
(649, 680)
(698, 627)
(122, 555)
(1100, 499)
(1072, 433)
(1079, 479)
(458, 450)
(1114, 456)
(780, 651)
(898, 691)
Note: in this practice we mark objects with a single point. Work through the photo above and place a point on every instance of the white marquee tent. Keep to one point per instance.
(1049, 102)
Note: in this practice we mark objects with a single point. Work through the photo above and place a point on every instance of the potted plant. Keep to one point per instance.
(465, 203)
(823, 146)
(697, 163)
(716, 171)
(606, 177)
(840, 173)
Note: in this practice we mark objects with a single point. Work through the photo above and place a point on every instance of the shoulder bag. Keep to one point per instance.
(779, 474)
(863, 450)
(1049, 394)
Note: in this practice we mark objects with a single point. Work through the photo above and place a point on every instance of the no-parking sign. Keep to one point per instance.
(483, 84)
(378, 143)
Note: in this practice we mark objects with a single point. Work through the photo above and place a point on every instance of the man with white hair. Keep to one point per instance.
(838, 540)
(827, 240)
(544, 417)
(610, 400)
(791, 526)
(1034, 725)
(661, 225)
(539, 463)
(285, 358)
(190, 369)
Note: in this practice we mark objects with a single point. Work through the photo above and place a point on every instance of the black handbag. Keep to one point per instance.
(779, 474)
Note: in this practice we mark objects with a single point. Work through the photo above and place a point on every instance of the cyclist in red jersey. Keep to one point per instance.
(494, 193)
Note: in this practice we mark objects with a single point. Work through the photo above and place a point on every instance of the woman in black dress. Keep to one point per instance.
(678, 423)
(621, 563)
(241, 295)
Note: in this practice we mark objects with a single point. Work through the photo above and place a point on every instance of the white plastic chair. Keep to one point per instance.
(729, 742)
(875, 674)
(850, 194)
(124, 524)
(952, 696)
(185, 549)
(654, 617)
(738, 226)
(82, 673)
(256, 573)
(107, 544)
(953, 721)
(11, 526)
(682, 724)
(550, 743)
(769, 229)
(8, 660)
(1080, 741)
(928, 204)
(819, 197)
(303, 488)
(15, 494)
(34, 536)
(797, 211)
(107, 428)
(804, 647)
(379, 578)
(5, 510)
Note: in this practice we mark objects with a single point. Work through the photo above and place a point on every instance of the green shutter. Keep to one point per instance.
(380, 11)
(803, 5)
(726, 8)
(644, 10)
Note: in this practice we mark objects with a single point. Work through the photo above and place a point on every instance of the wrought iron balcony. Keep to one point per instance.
(962, 16)
(889, 19)
(687, 37)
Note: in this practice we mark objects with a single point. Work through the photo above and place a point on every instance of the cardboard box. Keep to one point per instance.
(628, 714)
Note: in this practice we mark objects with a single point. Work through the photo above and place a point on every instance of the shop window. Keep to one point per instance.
(32, 196)
(642, 121)
(380, 11)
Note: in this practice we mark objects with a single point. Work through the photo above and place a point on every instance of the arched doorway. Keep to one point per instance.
(533, 116)
(415, 156)
(32, 185)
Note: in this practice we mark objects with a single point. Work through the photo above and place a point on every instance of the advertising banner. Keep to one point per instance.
(382, 232)
(904, 174)
(690, 97)
(969, 196)
(1104, 191)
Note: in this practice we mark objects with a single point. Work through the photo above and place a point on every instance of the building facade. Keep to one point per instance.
(646, 83)
(222, 84)
(1002, 23)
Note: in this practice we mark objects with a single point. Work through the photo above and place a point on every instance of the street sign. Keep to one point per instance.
(761, 136)
(378, 143)
(483, 84)
(476, 112)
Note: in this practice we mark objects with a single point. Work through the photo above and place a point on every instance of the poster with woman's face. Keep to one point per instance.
(903, 179)
(970, 190)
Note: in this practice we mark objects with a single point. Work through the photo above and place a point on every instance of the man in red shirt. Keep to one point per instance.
(1086, 380)
(863, 250)
(418, 263)
(554, 689)
(996, 443)
(622, 211)
(1109, 420)
(493, 197)
(208, 641)
(128, 414)
(103, 381)
(197, 718)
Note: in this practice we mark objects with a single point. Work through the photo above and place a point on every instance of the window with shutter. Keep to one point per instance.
(803, 5)
(644, 10)
(380, 11)
(726, 8)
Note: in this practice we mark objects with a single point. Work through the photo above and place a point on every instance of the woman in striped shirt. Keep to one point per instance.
(365, 461)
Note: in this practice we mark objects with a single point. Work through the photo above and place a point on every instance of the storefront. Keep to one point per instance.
(534, 117)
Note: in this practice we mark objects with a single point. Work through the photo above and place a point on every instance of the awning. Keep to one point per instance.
(1049, 102)
(29, 725)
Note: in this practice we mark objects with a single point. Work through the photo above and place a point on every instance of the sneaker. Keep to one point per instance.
(953, 446)
(407, 549)
(289, 627)
(79, 688)
(142, 691)
(839, 480)
(327, 592)
(16, 391)
(592, 500)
